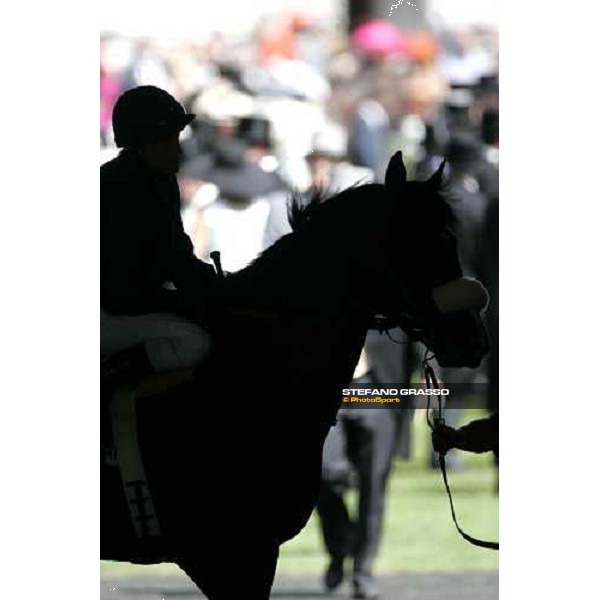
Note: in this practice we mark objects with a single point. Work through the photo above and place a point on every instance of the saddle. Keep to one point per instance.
(122, 388)
(123, 369)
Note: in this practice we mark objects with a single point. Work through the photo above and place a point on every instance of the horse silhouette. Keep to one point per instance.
(232, 459)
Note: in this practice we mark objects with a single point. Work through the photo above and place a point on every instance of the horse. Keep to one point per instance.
(231, 458)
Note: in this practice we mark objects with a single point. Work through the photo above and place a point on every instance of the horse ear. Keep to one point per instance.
(395, 174)
(437, 178)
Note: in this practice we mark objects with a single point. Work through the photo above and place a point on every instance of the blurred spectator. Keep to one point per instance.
(465, 58)
(277, 39)
(490, 135)
(369, 132)
(150, 67)
(433, 148)
(236, 221)
(426, 86)
(486, 95)
(224, 104)
(256, 133)
(458, 111)
(312, 48)
(115, 57)
(359, 450)
(328, 162)
(465, 156)
(110, 90)
(360, 445)
(489, 181)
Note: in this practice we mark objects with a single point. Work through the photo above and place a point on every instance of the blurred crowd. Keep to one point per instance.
(297, 104)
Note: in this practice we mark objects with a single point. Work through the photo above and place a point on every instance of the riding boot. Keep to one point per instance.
(125, 367)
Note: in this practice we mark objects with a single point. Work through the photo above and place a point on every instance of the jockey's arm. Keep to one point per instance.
(192, 277)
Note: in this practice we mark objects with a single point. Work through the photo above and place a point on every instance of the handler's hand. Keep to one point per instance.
(444, 438)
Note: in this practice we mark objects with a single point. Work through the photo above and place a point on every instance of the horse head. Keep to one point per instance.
(428, 296)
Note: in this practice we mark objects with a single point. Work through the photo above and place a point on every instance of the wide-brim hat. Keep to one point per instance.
(255, 131)
(488, 84)
(330, 143)
(237, 178)
(223, 102)
(463, 150)
(246, 182)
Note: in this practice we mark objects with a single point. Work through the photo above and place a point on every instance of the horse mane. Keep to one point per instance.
(318, 218)
(305, 209)
(308, 212)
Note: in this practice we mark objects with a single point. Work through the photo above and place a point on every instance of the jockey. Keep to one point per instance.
(153, 289)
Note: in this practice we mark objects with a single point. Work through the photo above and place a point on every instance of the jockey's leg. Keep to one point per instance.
(156, 342)
(128, 365)
(171, 341)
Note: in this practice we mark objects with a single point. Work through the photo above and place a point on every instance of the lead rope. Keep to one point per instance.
(432, 383)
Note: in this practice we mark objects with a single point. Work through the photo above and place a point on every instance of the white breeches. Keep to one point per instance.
(171, 342)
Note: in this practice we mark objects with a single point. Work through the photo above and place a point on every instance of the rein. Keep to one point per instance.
(383, 324)
(432, 383)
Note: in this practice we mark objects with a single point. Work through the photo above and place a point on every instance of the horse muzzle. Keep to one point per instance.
(460, 338)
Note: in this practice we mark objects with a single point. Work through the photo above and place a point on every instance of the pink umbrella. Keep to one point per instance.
(379, 38)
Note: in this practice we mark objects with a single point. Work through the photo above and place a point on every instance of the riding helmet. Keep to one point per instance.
(147, 114)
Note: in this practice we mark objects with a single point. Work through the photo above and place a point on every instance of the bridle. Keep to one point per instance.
(418, 332)
(416, 326)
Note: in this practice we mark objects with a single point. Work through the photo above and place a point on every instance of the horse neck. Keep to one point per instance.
(311, 287)
(299, 275)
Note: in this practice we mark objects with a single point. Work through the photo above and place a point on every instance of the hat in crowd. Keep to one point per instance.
(423, 47)
(147, 114)
(237, 178)
(457, 110)
(196, 167)
(459, 97)
(330, 143)
(463, 151)
(255, 131)
(488, 84)
(293, 78)
(233, 75)
(203, 134)
(222, 102)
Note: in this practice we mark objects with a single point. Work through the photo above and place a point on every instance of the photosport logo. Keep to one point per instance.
(398, 4)
(365, 397)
